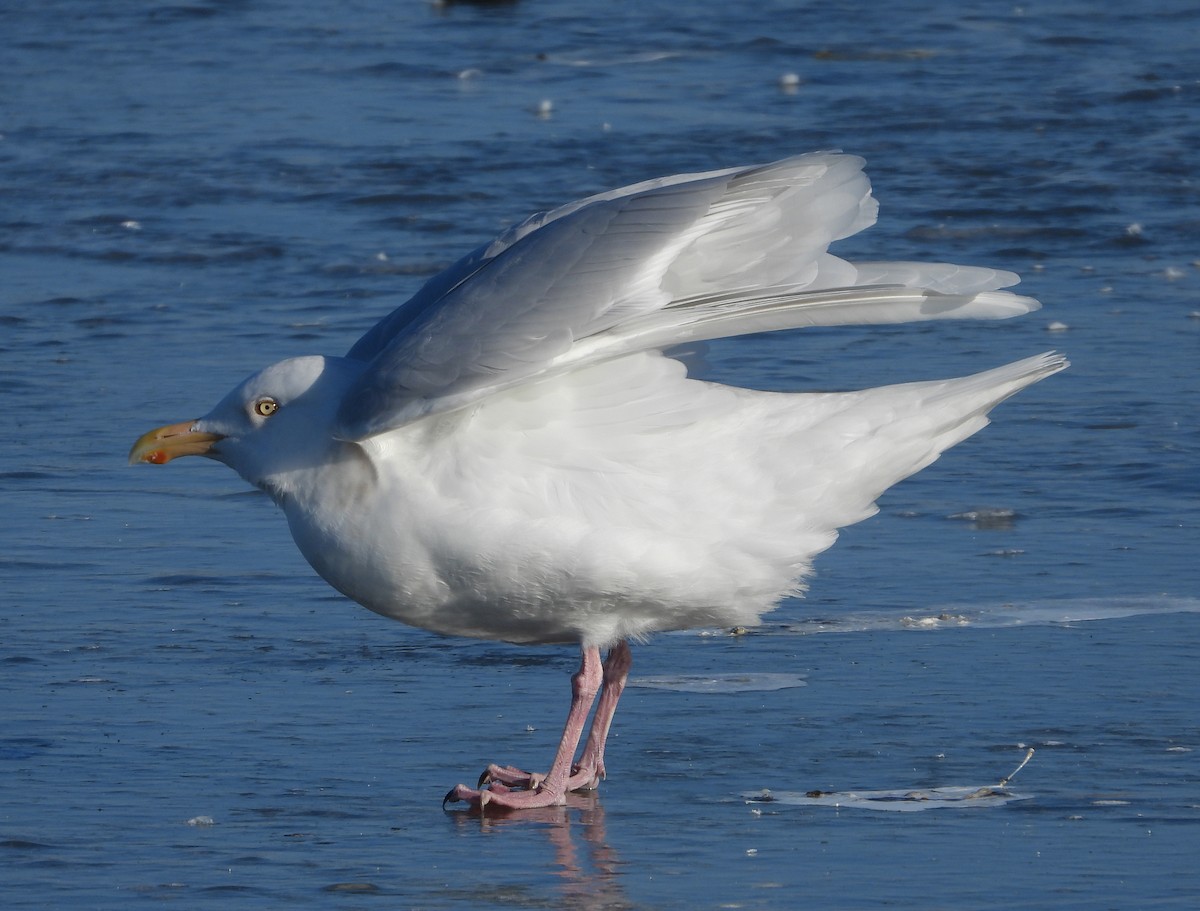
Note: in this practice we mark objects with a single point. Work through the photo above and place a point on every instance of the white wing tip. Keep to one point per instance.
(995, 305)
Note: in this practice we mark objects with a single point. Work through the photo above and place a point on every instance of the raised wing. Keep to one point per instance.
(434, 293)
(497, 317)
(648, 266)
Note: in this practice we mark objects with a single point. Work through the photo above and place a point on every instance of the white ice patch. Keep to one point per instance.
(900, 801)
(720, 683)
(1020, 613)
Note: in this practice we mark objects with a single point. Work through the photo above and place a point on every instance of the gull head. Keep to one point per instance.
(275, 424)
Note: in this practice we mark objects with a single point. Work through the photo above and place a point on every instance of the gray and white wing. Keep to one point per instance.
(648, 266)
(501, 315)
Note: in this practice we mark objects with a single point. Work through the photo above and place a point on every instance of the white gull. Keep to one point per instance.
(513, 454)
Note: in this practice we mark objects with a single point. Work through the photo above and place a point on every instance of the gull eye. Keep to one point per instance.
(266, 407)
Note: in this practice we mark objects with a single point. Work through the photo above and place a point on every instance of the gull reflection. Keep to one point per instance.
(588, 867)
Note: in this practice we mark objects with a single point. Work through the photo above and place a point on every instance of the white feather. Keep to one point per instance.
(617, 500)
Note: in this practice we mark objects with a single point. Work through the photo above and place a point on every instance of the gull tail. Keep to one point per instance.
(872, 439)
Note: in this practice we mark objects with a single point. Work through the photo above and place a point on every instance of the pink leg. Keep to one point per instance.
(586, 774)
(589, 772)
(551, 790)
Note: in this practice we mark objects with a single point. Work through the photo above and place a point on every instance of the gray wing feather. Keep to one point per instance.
(668, 261)
(501, 314)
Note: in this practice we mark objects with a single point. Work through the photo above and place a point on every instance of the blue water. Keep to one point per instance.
(188, 716)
